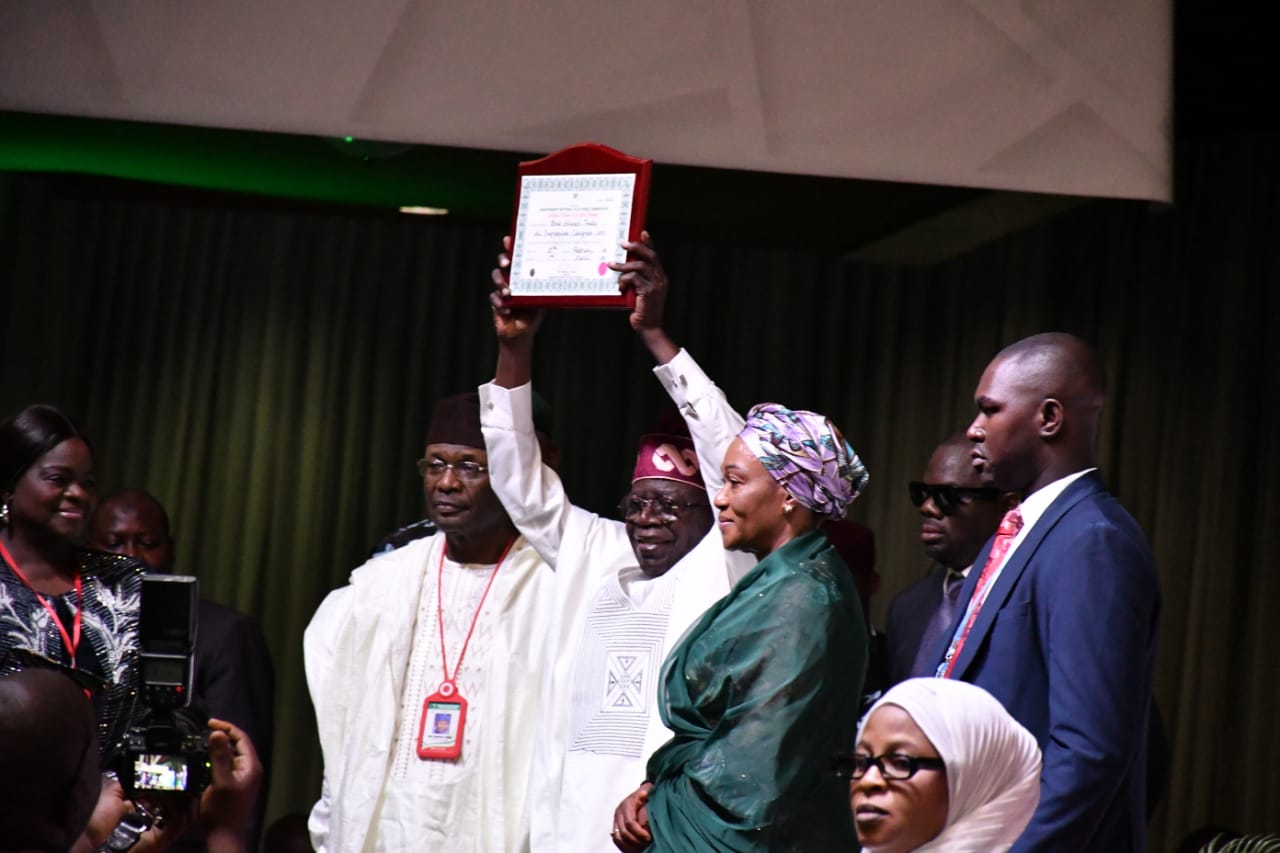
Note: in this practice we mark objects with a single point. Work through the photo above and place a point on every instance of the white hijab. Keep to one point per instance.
(993, 763)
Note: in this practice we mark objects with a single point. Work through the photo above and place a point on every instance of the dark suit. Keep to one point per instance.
(1066, 641)
(909, 614)
(234, 680)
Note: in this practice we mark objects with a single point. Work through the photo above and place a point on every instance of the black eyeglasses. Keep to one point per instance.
(948, 498)
(466, 469)
(663, 509)
(892, 765)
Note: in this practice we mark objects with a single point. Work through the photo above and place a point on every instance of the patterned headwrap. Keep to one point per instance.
(807, 455)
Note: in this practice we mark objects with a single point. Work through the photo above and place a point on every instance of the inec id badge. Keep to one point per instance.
(444, 713)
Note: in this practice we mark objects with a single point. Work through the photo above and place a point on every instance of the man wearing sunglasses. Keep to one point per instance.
(957, 516)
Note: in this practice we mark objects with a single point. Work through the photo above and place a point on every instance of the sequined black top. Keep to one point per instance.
(112, 594)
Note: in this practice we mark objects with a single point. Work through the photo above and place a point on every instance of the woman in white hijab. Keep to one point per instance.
(940, 766)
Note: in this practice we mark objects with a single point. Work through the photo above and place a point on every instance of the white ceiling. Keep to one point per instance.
(1058, 96)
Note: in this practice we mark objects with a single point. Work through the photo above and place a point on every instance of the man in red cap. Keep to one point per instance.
(625, 590)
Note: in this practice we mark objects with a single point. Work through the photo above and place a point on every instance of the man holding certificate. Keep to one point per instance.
(625, 591)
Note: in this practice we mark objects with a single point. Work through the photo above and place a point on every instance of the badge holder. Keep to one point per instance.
(444, 714)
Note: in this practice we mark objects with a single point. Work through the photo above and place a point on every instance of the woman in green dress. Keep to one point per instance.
(764, 688)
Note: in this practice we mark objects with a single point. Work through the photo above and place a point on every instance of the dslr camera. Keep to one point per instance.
(166, 751)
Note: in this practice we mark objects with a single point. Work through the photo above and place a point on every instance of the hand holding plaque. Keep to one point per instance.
(511, 323)
(573, 210)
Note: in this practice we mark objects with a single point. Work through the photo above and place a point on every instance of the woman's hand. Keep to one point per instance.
(631, 821)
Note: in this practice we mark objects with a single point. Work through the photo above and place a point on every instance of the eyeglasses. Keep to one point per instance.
(465, 469)
(664, 509)
(948, 498)
(892, 765)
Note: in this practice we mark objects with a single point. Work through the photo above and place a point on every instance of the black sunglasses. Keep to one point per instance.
(948, 498)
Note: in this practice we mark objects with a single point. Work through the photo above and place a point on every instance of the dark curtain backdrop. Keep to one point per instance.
(268, 375)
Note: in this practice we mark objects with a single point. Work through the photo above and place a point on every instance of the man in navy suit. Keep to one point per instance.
(957, 516)
(1062, 629)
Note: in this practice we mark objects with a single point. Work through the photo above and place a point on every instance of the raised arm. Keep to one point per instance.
(515, 328)
(713, 423)
(530, 491)
(643, 273)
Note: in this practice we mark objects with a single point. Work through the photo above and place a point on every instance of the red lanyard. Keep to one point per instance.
(70, 641)
(449, 685)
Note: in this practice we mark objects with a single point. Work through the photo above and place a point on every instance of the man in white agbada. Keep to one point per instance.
(386, 693)
(625, 591)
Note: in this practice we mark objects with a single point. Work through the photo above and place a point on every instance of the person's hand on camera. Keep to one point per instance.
(175, 815)
(226, 805)
(111, 807)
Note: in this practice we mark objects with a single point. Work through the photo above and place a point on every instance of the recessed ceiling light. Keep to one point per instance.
(421, 210)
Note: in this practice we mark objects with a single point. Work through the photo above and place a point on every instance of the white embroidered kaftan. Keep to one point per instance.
(372, 655)
(612, 626)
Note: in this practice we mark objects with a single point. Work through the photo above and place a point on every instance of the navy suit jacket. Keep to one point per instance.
(1066, 640)
(908, 616)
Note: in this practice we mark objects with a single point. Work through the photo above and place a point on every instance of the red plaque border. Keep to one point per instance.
(588, 158)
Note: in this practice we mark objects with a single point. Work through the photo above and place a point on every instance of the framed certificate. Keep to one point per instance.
(572, 209)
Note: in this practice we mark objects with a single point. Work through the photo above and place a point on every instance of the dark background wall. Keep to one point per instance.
(267, 370)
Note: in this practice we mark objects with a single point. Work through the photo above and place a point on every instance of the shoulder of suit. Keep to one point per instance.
(920, 585)
(223, 617)
(214, 608)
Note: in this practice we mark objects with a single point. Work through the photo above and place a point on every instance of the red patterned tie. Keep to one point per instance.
(1005, 534)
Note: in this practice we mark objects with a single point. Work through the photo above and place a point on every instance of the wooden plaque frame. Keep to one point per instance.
(587, 158)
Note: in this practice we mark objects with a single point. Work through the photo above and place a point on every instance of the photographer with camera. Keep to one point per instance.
(60, 801)
(166, 760)
(223, 810)
(233, 676)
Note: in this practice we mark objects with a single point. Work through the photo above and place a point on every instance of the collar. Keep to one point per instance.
(1038, 501)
